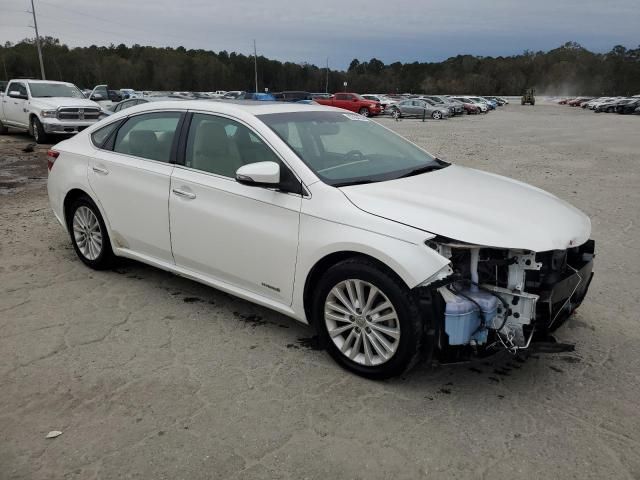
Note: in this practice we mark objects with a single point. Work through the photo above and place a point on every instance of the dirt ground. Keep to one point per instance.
(149, 375)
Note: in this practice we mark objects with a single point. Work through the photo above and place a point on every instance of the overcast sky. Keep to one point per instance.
(390, 30)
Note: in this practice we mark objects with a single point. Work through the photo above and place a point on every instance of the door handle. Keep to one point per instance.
(101, 171)
(183, 194)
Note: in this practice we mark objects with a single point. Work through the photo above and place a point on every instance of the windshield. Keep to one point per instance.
(39, 90)
(347, 149)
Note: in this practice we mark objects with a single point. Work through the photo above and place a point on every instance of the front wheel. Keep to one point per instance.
(364, 112)
(89, 234)
(3, 129)
(37, 131)
(368, 319)
(436, 115)
(395, 113)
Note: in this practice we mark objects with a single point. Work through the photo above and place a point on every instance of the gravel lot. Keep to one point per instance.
(152, 376)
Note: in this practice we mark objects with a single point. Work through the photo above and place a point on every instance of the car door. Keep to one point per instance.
(131, 176)
(244, 236)
(15, 106)
(343, 100)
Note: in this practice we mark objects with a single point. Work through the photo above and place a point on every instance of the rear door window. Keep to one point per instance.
(148, 136)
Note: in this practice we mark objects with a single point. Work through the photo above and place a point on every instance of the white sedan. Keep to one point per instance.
(330, 218)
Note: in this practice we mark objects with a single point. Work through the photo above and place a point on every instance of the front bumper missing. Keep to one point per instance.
(556, 305)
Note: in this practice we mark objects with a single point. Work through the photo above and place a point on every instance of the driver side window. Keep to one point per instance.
(18, 87)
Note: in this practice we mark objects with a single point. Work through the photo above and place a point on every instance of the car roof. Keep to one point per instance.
(227, 107)
(30, 80)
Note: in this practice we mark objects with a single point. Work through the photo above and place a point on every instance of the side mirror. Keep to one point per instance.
(16, 94)
(96, 96)
(260, 174)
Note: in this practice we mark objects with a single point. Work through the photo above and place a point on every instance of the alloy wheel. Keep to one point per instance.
(362, 323)
(87, 233)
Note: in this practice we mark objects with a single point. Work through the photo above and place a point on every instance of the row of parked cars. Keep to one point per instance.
(398, 106)
(45, 108)
(622, 105)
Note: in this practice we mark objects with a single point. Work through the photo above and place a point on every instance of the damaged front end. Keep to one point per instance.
(502, 299)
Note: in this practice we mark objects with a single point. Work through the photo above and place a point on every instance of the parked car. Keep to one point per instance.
(129, 93)
(609, 106)
(132, 102)
(628, 106)
(352, 102)
(292, 96)
(104, 96)
(418, 108)
(576, 102)
(233, 95)
(44, 108)
(329, 218)
(259, 96)
(482, 106)
(467, 105)
(490, 105)
(499, 101)
(455, 108)
(384, 101)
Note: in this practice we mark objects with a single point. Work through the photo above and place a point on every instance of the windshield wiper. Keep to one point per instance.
(354, 182)
(418, 171)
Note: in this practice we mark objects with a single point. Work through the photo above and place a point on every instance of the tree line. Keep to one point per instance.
(568, 70)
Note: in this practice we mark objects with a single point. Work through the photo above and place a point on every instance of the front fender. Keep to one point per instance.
(412, 262)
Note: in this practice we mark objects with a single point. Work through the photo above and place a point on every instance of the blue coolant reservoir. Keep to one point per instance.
(462, 317)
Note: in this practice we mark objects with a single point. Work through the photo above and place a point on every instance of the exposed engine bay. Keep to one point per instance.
(503, 299)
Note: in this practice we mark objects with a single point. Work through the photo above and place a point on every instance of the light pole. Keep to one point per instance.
(326, 84)
(255, 62)
(35, 26)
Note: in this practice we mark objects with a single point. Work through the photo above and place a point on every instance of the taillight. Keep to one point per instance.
(51, 158)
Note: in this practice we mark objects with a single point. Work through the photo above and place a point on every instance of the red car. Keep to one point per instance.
(576, 102)
(353, 102)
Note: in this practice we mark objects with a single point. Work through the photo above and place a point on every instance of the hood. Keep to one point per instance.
(476, 207)
(55, 102)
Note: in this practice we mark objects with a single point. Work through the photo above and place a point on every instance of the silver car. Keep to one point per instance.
(455, 108)
(419, 108)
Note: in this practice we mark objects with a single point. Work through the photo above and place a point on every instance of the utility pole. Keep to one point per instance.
(35, 25)
(255, 61)
(326, 84)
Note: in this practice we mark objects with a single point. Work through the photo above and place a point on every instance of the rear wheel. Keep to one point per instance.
(37, 131)
(368, 319)
(89, 234)
(395, 113)
(364, 112)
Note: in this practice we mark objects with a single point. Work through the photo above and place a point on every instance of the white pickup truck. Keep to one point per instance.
(44, 107)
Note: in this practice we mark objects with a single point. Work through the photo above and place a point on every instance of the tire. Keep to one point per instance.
(395, 113)
(37, 131)
(3, 130)
(404, 331)
(610, 110)
(364, 112)
(437, 115)
(84, 218)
